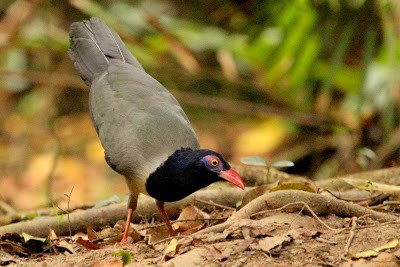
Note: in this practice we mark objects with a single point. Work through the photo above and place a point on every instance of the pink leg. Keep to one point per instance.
(160, 206)
(128, 223)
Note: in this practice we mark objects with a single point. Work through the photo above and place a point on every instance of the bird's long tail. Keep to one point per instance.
(94, 45)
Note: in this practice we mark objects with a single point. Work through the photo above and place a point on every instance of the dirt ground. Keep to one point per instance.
(274, 239)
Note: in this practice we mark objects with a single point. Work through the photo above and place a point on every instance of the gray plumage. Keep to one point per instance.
(140, 124)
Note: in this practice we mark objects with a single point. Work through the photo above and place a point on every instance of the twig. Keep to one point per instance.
(188, 220)
(351, 237)
(323, 240)
(305, 205)
(169, 238)
(69, 221)
(212, 203)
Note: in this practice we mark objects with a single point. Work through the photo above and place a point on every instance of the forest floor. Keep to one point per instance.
(277, 238)
(271, 228)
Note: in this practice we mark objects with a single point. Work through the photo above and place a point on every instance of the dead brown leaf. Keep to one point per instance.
(194, 258)
(66, 245)
(171, 250)
(269, 243)
(382, 260)
(52, 235)
(87, 244)
(157, 233)
(189, 221)
(13, 248)
(91, 233)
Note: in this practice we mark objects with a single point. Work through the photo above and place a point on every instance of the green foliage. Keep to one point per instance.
(258, 161)
(125, 256)
(334, 60)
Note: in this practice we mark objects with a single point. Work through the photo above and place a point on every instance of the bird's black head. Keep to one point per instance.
(187, 171)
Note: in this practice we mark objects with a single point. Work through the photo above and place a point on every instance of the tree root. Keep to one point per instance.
(79, 220)
(320, 204)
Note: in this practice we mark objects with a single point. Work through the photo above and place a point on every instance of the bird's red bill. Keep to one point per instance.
(233, 177)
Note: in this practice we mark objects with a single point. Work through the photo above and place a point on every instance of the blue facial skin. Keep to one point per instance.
(208, 163)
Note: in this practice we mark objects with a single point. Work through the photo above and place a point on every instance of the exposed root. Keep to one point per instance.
(305, 205)
(319, 204)
(351, 237)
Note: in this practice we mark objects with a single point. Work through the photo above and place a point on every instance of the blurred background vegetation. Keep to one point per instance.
(312, 81)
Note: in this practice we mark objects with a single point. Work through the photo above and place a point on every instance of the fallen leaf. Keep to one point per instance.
(68, 246)
(80, 235)
(269, 243)
(157, 233)
(195, 257)
(171, 250)
(384, 259)
(28, 237)
(13, 248)
(243, 245)
(52, 236)
(190, 218)
(296, 183)
(87, 244)
(375, 251)
(91, 233)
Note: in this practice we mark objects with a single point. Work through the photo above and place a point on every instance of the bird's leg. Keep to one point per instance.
(132, 203)
(160, 206)
(127, 225)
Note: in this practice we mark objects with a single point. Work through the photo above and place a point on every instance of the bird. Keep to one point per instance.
(145, 134)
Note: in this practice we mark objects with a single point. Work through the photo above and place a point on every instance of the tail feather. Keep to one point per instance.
(93, 44)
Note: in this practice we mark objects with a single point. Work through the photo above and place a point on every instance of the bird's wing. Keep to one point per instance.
(138, 121)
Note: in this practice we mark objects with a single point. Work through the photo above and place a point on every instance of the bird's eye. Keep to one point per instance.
(214, 162)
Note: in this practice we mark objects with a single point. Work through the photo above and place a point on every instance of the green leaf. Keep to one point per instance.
(59, 218)
(282, 164)
(295, 186)
(254, 160)
(28, 237)
(125, 256)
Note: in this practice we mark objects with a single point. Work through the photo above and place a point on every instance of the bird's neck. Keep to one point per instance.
(179, 176)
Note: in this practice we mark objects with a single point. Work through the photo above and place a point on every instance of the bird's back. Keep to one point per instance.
(140, 124)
